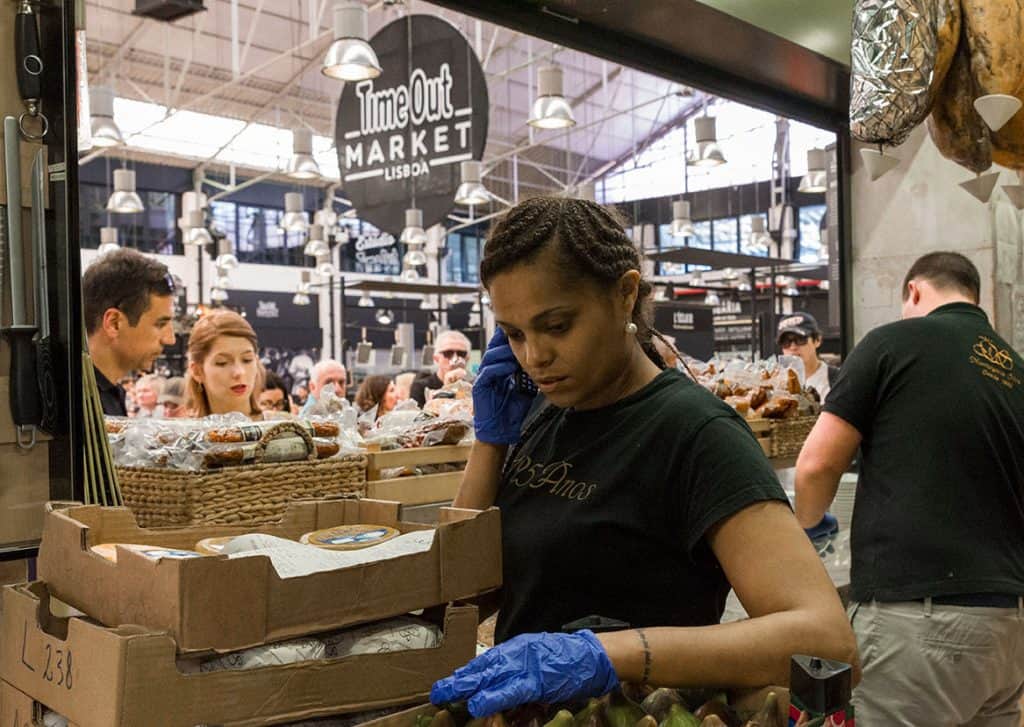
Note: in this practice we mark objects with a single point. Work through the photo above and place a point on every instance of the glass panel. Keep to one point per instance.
(745, 226)
(810, 233)
(726, 239)
(92, 215)
(225, 219)
(455, 258)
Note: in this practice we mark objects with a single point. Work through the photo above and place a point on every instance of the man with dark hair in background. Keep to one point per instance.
(936, 404)
(128, 301)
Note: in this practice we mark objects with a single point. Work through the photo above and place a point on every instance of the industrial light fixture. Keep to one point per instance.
(218, 295)
(316, 245)
(324, 267)
(108, 240)
(730, 274)
(222, 280)
(414, 237)
(410, 275)
(384, 317)
(707, 153)
(195, 228)
(744, 287)
(124, 200)
(759, 240)
(326, 216)
(105, 132)
(711, 298)
(814, 181)
(302, 291)
(302, 165)
(350, 57)
(365, 301)
(226, 259)
(551, 110)
(295, 219)
(471, 191)
(682, 225)
(791, 290)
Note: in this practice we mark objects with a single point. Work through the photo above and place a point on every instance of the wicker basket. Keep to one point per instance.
(788, 435)
(251, 494)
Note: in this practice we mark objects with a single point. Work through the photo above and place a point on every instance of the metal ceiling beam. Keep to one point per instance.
(249, 36)
(124, 46)
(197, 32)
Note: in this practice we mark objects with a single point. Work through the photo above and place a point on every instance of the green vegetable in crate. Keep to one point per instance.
(443, 719)
(679, 716)
(769, 714)
(563, 718)
(719, 707)
(660, 701)
(593, 715)
(424, 720)
(647, 721)
(621, 711)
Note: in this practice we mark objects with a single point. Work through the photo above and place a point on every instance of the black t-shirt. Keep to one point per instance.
(605, 511)
(112, 396)
(419, 386)
(940, 498)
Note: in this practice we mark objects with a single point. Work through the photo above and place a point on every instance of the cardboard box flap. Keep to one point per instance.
(461, 539)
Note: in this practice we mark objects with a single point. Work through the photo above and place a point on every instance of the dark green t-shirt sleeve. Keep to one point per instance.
(855, 395)
(727, 471)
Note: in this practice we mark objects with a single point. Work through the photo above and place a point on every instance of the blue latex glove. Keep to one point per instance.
(828, 526)
(545, 668)
(499, 408)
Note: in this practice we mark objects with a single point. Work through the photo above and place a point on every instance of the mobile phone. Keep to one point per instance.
(524, 384)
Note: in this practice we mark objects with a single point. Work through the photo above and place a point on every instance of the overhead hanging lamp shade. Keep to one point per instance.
(707, 153)
(226, 259)
(410, 275)
(682, 225)
(326, 216)
(300, 299)
(413, 232)
(195, 231)
(471, 191)
(384, 317)
(108, 240)
(294, 219)
(222, 281)
(124, 200)
(365, 301)
(350, 57)
(711, 298)
(551, 110)
(302, 165)
(105, 131)
(815, 180)
(324, 267)
(218, 295)
(316, 245)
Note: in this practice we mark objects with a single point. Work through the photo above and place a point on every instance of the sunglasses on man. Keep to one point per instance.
(792, 339)
(451, 353)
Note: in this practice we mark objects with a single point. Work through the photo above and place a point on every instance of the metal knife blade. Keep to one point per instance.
(39, 242)
(12, 163)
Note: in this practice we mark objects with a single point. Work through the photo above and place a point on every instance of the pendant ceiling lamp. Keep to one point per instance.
(414, 237)
(350, 57)
(707, 153)
(108, 240)
(124, 200)
(226, 259)
(365, 301)
(712, 299)
(218, 295)
(105, 132)
(317, 244)
(814, 181)
(324, 267)
(471, 191)
(295, 219)
(682, 225)
(196, 232)
(410, 275)
(551, 110)
(302, 165)
(302, 291)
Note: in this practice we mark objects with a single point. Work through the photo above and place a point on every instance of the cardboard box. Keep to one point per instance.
(413, 456)
(215, 603)
(422, 490)
(26, 488)
(17, 709)
(127, 676)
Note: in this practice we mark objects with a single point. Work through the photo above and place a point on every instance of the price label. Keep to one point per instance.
(54, 663)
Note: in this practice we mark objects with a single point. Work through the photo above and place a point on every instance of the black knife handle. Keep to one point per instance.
(24, 389)
(48, 414)
(28, 59)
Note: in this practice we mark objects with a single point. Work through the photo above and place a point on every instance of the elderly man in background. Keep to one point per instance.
(326, 373)
(451, 354)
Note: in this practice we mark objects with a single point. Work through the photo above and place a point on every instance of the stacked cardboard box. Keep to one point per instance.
(119, 665)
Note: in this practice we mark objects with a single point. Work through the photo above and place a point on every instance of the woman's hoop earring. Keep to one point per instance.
(631, 328)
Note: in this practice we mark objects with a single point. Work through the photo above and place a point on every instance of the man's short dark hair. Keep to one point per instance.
(123, 279)
(945, 271)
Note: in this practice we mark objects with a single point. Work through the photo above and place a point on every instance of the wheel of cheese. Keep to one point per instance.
(954, 125)
(213, 546)
(350, 537)
(156, 552)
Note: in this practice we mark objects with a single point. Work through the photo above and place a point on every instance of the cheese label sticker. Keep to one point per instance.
(368, 536)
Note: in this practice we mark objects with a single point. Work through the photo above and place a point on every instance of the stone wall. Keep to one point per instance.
(918, 207)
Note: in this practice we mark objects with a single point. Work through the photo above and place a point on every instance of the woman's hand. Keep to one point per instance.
(499, 408)
(545, 668)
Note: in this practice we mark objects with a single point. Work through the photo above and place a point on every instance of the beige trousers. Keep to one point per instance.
(928, 665)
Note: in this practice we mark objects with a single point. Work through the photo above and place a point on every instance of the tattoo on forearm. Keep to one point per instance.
(647, 656)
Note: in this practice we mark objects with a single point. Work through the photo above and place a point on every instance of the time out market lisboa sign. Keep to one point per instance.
(401, 136)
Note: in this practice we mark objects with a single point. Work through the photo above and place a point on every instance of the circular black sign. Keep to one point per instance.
(400, 137)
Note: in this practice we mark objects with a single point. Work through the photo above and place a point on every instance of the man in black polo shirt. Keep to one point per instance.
(128, 300)
(936, 404)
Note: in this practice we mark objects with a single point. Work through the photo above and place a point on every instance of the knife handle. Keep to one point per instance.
(24, 388)
(28, 59)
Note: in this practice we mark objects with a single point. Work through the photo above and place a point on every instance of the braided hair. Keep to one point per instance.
(588, 239)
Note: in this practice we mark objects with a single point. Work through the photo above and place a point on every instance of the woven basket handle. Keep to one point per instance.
(276, 431)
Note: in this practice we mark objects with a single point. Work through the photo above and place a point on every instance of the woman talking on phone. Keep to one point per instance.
(629, 492)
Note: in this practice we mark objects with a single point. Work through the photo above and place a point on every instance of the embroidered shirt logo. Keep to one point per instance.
(995, 362)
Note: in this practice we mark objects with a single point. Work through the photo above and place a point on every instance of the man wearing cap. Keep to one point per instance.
(799, 335)
(128, 301)
(935, 402)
